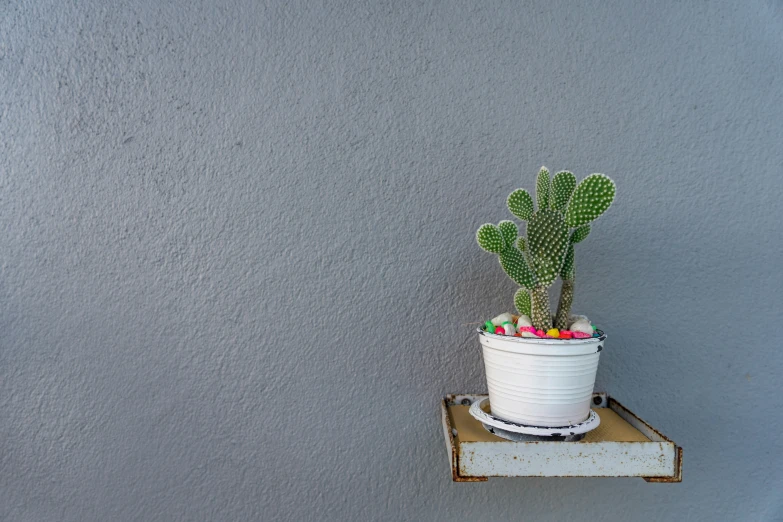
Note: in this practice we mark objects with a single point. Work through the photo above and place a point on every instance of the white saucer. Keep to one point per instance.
(516, 431)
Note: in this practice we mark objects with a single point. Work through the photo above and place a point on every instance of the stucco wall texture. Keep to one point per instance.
(237, 251)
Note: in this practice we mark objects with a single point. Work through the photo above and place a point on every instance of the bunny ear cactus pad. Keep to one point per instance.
(522, 301)
(490, 238)
(563, 185)
(542, 188)
(511, 259)
(590, 199)
(580, 234)
(547, 236)
(567, 271)
(509, 231)
(516, 267)
(520, 203)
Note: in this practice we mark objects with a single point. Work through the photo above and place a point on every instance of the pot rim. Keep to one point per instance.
(548, 347)
(545, 340)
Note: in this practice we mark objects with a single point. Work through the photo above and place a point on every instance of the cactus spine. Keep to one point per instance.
(535, 261)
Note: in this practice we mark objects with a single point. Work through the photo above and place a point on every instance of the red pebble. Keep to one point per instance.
(517, 335)
(565, 334)
(499, 330)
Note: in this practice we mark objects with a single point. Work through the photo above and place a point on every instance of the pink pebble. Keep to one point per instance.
(541, 333)
(531, 329)
(500, 331)
(581, 335)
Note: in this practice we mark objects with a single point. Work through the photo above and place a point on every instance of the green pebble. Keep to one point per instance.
(489, 327)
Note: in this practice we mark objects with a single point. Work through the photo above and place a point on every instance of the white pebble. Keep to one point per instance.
(509, 328)
(582, 326)
(502, 318)
(524, 321)
(528, 334)
(574, 318)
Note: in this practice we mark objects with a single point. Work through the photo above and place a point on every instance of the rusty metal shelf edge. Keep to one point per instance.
(450, 447)
(603, 400)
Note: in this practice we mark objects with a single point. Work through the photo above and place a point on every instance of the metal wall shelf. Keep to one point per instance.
(622, 446)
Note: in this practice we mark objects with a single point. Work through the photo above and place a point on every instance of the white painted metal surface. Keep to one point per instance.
(540, 382)
(626, 447)
(566, 459)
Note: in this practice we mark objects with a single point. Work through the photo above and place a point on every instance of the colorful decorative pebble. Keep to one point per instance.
(503, 324)
(502, 318)
(583, 326)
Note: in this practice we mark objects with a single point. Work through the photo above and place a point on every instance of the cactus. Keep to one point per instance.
(547, 236)
(542, 188)
(563, 185)
(509, 231)
(591, 198)
(490, 239)
(517, 268)
(501, 240)
(580, 234)
(520, 203)
(522, 301)
(535, 261)
(567, 274)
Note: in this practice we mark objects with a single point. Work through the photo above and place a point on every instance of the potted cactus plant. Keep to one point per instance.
(540, 366)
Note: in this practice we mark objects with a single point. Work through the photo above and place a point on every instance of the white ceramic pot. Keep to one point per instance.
(540, 382)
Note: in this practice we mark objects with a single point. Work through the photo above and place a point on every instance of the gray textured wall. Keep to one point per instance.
(237, 250)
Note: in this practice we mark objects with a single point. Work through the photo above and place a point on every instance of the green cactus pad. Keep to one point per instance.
(490, 238)
(567, 271)
(516, 267)
(509, 231)
(522, 301)
(522, 244)
(590, 199)
(580, 234)
(520, 203)
(542, 188)
(563, 185)
(547, 236)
